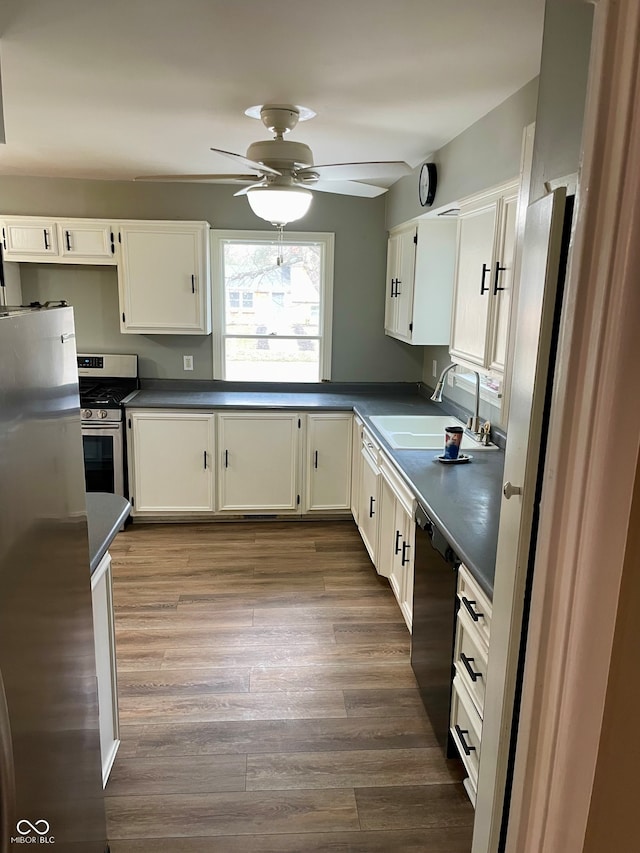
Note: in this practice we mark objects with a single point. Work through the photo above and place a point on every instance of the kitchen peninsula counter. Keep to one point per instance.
(105, 515)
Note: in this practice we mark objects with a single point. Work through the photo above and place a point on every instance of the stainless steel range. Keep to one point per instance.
(105, 380)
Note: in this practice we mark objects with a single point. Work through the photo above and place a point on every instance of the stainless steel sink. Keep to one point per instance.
(422, 432)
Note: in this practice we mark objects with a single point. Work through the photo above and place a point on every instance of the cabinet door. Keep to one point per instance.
(328, 468)
(173, 457)
(164, 278)
(502, 283)
(406, 523)
(476, 235)
(258, 462)
(387, 539)
(393, 259)
(105, 650)
(87, 242)
(404, 285)
(369, 502)
(401, 260)
(29, 239)
(396, 575)
(356, 459)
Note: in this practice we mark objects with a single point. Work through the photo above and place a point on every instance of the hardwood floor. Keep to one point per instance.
(267, 703)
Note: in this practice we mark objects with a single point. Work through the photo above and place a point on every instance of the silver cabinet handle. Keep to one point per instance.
(509, 490)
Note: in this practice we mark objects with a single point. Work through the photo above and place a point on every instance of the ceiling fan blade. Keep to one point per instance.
(379, 170)
(249, 164)
(202, 179)
(245, 190)
(346, 188)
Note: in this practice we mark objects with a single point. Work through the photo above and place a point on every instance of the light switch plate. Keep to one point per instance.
(187, 361)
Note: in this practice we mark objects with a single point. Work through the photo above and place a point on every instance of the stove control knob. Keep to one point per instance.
(86, 414)
(102, 414)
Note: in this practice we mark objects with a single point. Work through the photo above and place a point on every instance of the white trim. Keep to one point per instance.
(467, 383)
(588, 490)
(325, 239)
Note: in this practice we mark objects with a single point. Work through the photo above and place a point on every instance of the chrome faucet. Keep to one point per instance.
(473, 422)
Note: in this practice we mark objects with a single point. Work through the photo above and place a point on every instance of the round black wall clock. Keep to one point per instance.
(427, 181)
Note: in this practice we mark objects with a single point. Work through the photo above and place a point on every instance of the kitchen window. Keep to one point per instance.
(274, 301)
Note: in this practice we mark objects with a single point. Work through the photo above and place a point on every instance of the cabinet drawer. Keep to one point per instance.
(470, 659)
(466, 729)
(475, 603)
(370, 446)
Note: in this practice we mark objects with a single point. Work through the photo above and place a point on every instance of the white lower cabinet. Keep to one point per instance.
(105, 650)
(466, 730)
(171, 461)
(397, 537)
(258, 464)
(470, 660)
(356, 461)
(328, 461)
(258, 459)
(369, 497)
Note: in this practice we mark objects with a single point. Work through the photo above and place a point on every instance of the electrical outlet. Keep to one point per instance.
(434, 368)
(451, 377)
(187, 362)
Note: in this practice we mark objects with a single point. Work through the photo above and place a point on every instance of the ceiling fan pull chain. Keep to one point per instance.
(280, 260)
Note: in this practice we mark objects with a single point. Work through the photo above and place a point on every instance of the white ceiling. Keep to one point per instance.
(117, 88)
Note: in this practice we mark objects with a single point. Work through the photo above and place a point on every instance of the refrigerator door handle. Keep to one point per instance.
(7, 775)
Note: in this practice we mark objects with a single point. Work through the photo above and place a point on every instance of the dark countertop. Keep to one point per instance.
(463, 500)
(298, 401)
(105, 515)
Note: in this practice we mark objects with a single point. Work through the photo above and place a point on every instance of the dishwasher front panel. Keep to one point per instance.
(434, 618)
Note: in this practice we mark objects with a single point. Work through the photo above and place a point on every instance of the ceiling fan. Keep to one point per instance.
(280, 173)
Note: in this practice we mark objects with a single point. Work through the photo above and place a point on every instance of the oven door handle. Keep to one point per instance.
(101, 429)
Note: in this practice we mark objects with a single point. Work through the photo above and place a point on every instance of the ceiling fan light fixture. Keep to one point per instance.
(279, 205)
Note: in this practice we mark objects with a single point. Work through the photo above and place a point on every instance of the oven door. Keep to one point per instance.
(103, 458)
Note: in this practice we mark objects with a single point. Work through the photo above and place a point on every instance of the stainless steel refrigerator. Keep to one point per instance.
(50, 781)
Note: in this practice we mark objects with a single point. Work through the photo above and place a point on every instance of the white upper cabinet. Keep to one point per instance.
(419, 288)
(484, 280)
(164, 278)
(258, 462)
(86, 241)
(503, 285)
(29, 239)
(400, 274)
(61, 241)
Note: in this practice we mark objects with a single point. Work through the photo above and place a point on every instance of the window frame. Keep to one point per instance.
(326, 241)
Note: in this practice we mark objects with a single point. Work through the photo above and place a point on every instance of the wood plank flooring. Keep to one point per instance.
(267, 703)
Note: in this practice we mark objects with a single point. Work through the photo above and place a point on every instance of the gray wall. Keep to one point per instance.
(484, 155)
(361, 350)
(559, 115)
(564, 70)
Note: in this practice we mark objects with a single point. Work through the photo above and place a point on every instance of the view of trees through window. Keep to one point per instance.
(272, 301)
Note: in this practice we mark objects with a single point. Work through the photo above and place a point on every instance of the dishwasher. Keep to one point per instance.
(434, 618)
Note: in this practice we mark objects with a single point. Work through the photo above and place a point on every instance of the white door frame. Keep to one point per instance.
(588, 479)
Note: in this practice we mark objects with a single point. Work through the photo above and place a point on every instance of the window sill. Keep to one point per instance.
(467, 382)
